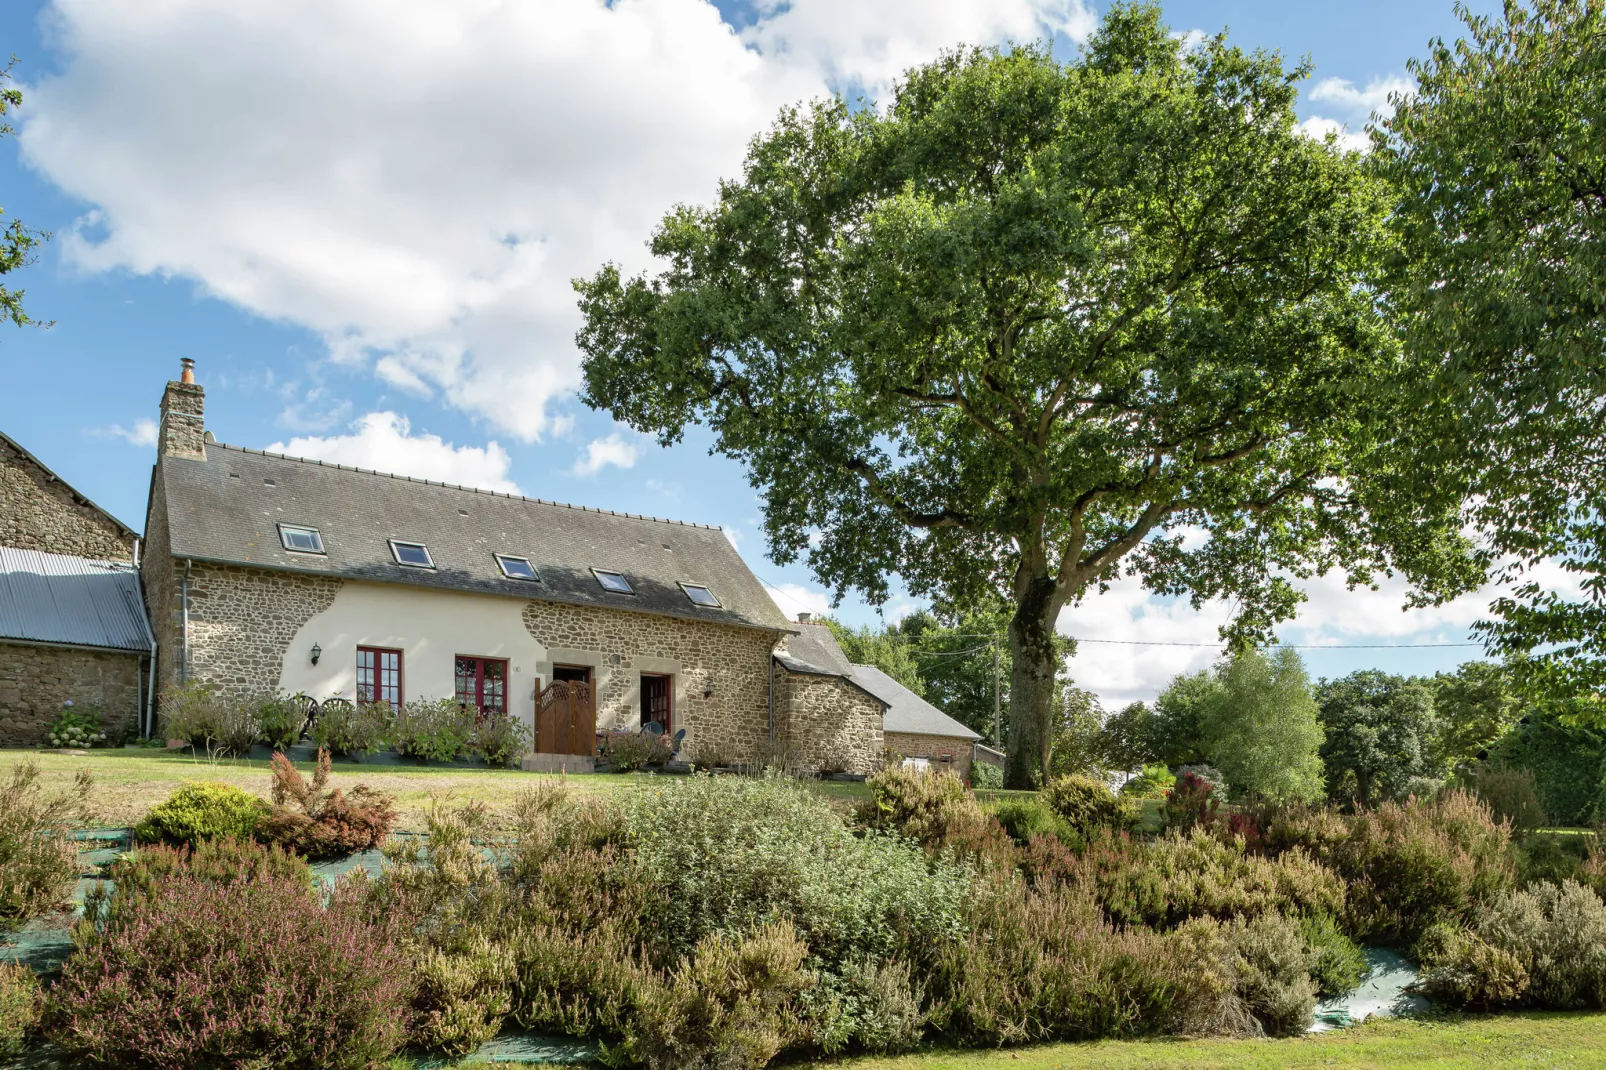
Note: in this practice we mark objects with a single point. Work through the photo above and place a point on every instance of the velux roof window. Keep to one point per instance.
(700, 595)
(517, 568)
(300, 540)
(613, 582)
(415, 554)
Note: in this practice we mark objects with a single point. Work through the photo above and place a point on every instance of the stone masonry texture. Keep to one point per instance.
(933, 748)
(827, 723)
(733, 722)
(242, 620)
(40, 512)
(36, 682)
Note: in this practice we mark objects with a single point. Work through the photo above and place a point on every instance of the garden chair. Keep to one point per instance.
(308, 707)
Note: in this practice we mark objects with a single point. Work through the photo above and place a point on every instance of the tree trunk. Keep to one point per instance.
(1031, 685)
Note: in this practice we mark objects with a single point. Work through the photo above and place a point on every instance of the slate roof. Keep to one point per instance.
(814, 650)
(227, 508)
(71, 601)
(907, 711)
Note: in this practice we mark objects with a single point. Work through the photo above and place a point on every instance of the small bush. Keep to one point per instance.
(77, 727)
(1273, 973)
(985, 776)
(279, 720)
(1552, 857)
(356, 728)
(1558, 933)
(38, 862)
(501, 740)
(1464, 970)
(21, 1001)
(1337, 963)
(317, 821)
(202, 811)
(437, 731)
(629, 751)
(867, 1006)
(215, 861)
(193, 712)
(1510, 794)
(239, 724)
(251, 972)
(1024, 819)
(1411, 865)
(1153, 783)
(1085, 804)
(932, 809)
(1193, 801)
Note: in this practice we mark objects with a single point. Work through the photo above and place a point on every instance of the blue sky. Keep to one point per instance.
(362, 230)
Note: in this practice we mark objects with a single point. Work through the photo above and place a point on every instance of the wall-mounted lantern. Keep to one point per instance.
(317, 652)
(708, 688)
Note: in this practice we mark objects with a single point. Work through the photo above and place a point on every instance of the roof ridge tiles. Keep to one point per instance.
(459, 486)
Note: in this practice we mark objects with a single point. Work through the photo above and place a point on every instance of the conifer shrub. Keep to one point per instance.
(317, 821)
(1337, 963)
(202, 811)
(1192, 801)
(1272, 963)
(21, 1003)
(38, 859)
(199, 969)
(1086, 804)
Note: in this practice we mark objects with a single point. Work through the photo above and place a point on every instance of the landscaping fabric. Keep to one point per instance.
(1385, 993)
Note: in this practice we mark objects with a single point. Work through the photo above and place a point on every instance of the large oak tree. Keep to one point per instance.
(1035, 322)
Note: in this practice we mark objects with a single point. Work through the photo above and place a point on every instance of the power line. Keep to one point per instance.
(1293, 646)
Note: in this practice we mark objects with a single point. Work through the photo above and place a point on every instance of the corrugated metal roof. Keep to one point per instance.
(56, 598)
(228, 508)
(907, 711)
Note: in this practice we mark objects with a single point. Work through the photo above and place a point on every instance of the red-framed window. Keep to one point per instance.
(379, 675)
(482, 682)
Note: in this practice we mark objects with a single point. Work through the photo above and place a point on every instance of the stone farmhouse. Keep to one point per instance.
(72, 621)
(268, 574)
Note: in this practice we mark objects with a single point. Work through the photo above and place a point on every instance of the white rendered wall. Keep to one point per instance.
(430, 628)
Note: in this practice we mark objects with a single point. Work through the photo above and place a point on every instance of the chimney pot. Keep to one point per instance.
(188, 374)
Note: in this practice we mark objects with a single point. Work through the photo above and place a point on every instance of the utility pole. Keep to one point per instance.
(998, 740)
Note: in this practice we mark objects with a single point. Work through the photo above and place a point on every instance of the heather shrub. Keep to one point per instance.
(871, 1006)
(1085, 804)
(257, 972)
(628, 751)
(1464, 970)
(202, 811)
(730, 1005)
(1510, 794)
(21, 1001)
(932, 809)
(1192, 801)
(1320, 831)
(317, 821)
(351, 727)
(1272, 973)
(1337, 964)
(1592, 873)
(437, 730)
(728, 854)
(1552, 857)
(214, 861)
(1023, 819)
(1423, 861)
(1558, 933)
(38, 861)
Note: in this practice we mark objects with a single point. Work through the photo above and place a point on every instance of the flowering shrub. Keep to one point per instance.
(629, 751)
(20, 1004)
(932, 809)
(77, 727)
(1192, 801)
(38, 862)
(317, 821)
(202, 811)
(436, 731)
(196, 972)
(1085, 804)
(500, 740)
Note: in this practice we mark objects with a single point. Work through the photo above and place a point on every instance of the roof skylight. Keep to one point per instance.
(415, 554)
(300, 540)
(517, 568)
(614, 582)
(700, 595)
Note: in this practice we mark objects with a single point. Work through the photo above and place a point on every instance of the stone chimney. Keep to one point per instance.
(804, 618)
(183, 431)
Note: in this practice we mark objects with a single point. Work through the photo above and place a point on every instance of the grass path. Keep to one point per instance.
(1535, 1040)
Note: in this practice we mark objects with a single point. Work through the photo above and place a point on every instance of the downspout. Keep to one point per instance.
(184, 596)
(772, 697)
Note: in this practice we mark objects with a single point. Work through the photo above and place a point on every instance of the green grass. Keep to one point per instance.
(129, 781)
(1451, 1043)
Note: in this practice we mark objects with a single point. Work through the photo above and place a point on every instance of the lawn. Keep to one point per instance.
(129, 781)
(1530, 1039)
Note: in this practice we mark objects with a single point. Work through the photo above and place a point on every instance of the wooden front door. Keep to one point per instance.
(566, 717)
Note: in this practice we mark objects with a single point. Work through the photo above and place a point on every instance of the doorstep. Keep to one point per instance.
(559, 763)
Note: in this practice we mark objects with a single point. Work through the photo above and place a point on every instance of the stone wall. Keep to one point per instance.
(620, 646)
(828, 723)
(933, 748)
(40, 512)
(157, 578)
(35, 682)
(242, 620)
(182, 432)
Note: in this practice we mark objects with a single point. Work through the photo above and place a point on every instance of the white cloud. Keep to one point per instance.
(734, 537)
(601, 452)
(384, 442)
(1374, 99)
(1317, 128)
(143, 433)
(794, 598)
(417, 181)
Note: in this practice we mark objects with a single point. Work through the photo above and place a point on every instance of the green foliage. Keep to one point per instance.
(361, 728)
(1544, 946)
(1337, 963)
(193, 712)
(1128, 741)
(732, 853)
(279, 719)
(931, 809)
(1476, 705)
(887, 649)
(202, 811)
(18, 243)
(1379, 733)
(1078, 735)
(1568, 763)
(77, 726)
(21, 1004)
(1155, 782)
(871, 1006)
(628, 751)
(437, 730)
(1174, 735)
(1026, 818)
(973, 339)
(501, 740)
(986, 775)
(1086, 804)
(38, 862)
(1510, 794)
(1261, 729)
(1273, 973)
(1497, 160)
